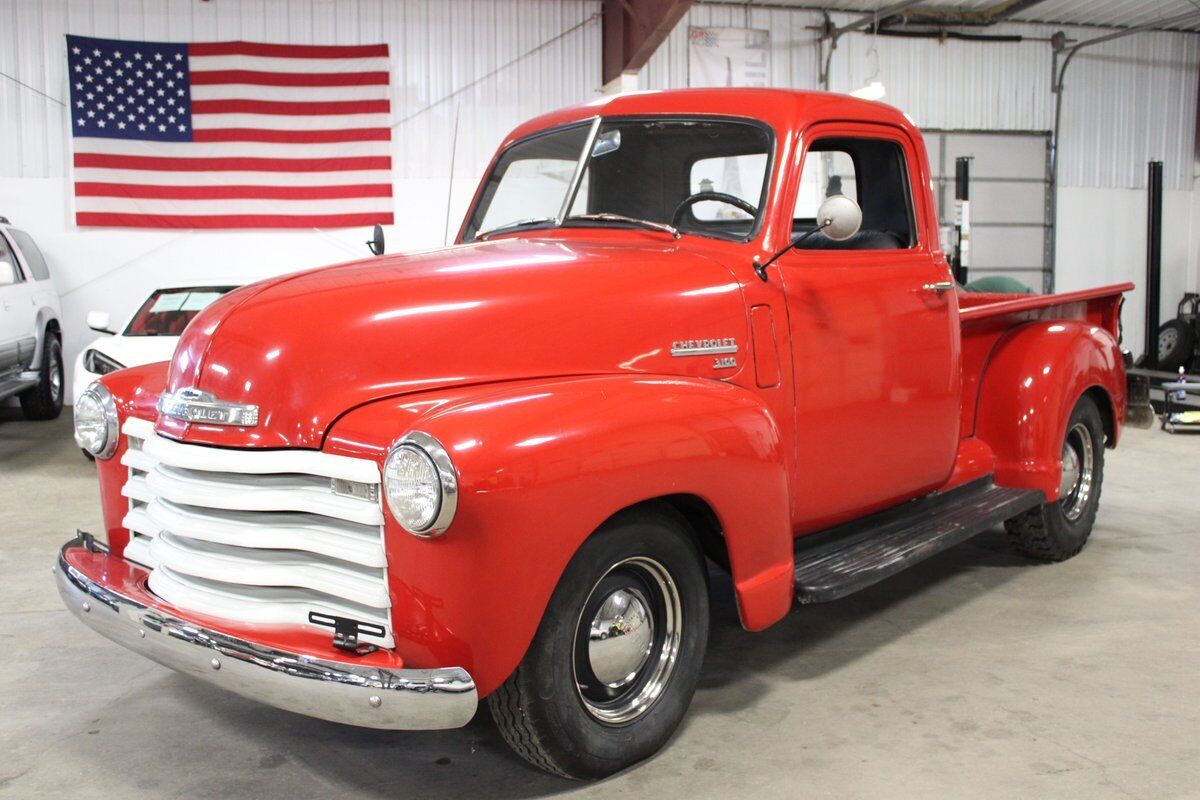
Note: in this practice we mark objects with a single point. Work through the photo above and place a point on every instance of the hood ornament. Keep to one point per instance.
(194, 405)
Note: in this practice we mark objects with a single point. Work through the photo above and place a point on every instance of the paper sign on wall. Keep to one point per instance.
(728, 57)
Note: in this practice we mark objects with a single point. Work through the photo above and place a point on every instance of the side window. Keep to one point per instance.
(825, 174)
(872, 172)
(9, 271)
(740, 176)
(33, 256)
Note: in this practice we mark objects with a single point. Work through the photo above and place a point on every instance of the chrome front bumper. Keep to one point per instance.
(339, 691)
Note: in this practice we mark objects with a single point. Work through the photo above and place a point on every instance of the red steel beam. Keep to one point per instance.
(633, 30)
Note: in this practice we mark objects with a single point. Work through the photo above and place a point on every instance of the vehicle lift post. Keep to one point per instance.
(1154, 196)
(962, 219)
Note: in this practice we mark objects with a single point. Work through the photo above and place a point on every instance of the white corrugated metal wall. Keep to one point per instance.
(493, 63)
(1127, 101)
(437, 49)
(490, 63)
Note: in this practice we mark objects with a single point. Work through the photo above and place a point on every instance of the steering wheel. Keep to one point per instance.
(720, 197)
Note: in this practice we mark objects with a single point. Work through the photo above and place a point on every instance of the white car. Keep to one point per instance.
(31, 362)
(149, 336)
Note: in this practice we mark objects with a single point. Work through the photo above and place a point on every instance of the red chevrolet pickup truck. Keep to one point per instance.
(677, 329)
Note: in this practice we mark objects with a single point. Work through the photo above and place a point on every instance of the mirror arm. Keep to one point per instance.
(375, 243)
(761, 269)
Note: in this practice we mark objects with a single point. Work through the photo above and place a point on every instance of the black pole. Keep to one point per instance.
(1153, 261)
(962, 218)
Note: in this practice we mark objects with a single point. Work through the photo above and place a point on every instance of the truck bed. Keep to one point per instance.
(974, 306)
(986, 316)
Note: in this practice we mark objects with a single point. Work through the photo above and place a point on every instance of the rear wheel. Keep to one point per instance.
(614, 664)
(1058, 530)
(45, 401)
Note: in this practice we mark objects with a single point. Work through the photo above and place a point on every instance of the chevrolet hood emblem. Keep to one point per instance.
(193, 405)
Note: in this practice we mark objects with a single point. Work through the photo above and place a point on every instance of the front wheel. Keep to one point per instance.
(615, 661)
(1058, 530)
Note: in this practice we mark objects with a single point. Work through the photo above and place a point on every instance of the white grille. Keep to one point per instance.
(255, 536)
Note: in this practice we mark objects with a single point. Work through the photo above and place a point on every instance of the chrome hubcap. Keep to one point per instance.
(627, 640)
(1078, 468)
(620, 639)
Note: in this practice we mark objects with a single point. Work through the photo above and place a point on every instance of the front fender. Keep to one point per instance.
(541, 465)
(1032, 381)
(136, 391)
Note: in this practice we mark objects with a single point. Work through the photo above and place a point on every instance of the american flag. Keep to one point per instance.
(229, 134)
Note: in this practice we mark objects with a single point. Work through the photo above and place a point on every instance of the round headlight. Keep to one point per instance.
(420, 485)
(96, 421)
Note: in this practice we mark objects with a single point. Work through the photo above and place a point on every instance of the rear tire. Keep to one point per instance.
(1057, 531)
(45, 401)
(1176, 343)
(615, 661)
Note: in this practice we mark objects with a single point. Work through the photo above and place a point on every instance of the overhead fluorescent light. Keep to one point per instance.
(872, 91)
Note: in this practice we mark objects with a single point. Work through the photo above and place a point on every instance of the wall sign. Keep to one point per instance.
(728, 57)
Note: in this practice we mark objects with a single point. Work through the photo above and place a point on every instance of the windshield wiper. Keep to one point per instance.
(521, 223)
(641, 223)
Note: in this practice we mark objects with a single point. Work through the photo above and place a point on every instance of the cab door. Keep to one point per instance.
(874, 333)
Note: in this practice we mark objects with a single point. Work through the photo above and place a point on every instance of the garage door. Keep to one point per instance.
(1009, 190)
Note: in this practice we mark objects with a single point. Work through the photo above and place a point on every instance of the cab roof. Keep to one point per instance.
(785, 110)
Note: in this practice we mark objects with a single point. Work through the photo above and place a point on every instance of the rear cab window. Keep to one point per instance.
(740, 176)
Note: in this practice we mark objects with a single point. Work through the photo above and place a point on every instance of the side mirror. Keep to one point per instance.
(839, 217)
(375, 243)
(99, 321)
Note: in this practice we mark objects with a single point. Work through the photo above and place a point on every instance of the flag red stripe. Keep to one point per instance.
(209, 77)
(286, 50)
(291, 109)
(150, 191)
(291, 137)
(233, 164)
(230, 220)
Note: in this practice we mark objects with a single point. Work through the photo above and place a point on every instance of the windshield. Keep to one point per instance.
(700, 176)
(168, 311)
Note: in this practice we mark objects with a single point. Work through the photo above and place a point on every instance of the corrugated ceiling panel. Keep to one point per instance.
(493, 63)
(1116, 13)
(1127, 101)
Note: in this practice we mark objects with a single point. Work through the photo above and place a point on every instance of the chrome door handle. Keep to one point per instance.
(941, 287)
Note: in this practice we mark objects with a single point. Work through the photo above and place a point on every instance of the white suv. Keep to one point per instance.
(31, 359)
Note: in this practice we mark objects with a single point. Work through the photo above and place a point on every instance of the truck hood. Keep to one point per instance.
(309, 347)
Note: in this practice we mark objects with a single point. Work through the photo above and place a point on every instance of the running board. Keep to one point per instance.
(17, 382)
(836, 562)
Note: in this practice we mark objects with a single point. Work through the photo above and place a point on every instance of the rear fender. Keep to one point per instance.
(542, 465)
(1036, 374)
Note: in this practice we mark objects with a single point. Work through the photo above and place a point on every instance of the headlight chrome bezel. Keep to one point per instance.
(99, 393)
(98, 363)
(433, 451)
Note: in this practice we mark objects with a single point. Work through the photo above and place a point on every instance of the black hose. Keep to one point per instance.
(944, 34)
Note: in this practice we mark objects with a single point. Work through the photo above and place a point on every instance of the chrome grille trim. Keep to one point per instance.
(255, 537)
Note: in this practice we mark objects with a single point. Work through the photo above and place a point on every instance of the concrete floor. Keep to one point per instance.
(976, 674)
